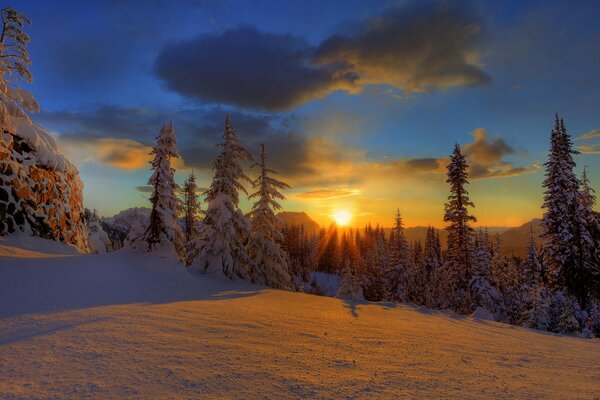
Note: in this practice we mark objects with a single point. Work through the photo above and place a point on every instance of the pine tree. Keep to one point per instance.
(590, 234)
(220, 248)
(350, 287)
(14, 69)
(460, 233)
(164, 230)
(532, 266)
(484, 293)
(538, 316)
(564, 230)
(401, 264)
(269, 261)
(191, 207)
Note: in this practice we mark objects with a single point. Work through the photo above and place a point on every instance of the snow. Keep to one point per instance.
(128, 325)
(43, 144)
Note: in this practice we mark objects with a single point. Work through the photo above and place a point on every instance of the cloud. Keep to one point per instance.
(326, 194)
(423, 164)
(589, 149)
(486, 158)
(248, 68)
(425, 46)
(124, 154)
(432, 45)
(198, 132)
(590, 135)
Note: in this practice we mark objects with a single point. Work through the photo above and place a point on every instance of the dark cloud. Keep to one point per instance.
(120, 136)
(423, 164)
(426, 46)
(486, 158)
(248, 68)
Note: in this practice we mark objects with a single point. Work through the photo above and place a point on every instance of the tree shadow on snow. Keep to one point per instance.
(29, 286)
(33, 332)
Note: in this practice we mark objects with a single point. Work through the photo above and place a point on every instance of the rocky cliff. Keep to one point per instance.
(40, 190)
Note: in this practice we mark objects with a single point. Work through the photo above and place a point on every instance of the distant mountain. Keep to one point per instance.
(299, 218)
(515, 240)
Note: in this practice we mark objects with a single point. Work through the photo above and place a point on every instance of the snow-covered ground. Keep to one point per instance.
(121, 325)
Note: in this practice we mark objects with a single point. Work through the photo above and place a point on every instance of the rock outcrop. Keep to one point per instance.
(40, 190)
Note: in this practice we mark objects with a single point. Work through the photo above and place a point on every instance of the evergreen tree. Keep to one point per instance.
(431, 269)
(164, 230)
(538, 316)
(221, 245)
(460, 233)
(14, 69)
(590, 234)
(484, 293)
(400, 263)
(562, 225)
(350, 287)
(532, 266)
(269, 261)
(191, 207)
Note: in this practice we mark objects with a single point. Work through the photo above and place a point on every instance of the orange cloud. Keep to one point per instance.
(326, 194)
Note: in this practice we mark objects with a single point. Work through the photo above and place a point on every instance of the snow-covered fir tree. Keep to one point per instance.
(538, 316)
(459, 263)
(269, 261)
(532, 269)
(220, 247)
(191, 207)
(431, 269)
(563, 228)
(164, 231)
(484, 293)
(14, 69)
(350, 286)
(590, 234)
(401, 264)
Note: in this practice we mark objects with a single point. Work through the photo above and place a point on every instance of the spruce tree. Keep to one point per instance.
(484, 293)
(14, 69)
(164, 230)
(564, 227)
(269, 261)
(460, 233)
(220, 248)
(191, 207)
(401, 264)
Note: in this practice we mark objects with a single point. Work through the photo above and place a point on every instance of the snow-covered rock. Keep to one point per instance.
(40, 190)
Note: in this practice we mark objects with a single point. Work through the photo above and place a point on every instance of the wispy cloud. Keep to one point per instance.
(589, 135)
(326, 194)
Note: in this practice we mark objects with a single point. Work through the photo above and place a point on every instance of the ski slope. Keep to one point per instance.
(124, 325)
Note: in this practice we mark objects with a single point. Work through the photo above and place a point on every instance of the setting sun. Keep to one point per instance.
(342, 217)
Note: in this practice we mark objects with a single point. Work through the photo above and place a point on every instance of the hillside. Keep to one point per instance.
(515, 240)
(125, 325)
(299, 218)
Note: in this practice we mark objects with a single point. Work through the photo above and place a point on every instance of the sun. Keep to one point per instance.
(342, 217)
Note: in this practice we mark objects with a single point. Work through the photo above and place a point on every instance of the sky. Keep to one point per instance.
(359, 103)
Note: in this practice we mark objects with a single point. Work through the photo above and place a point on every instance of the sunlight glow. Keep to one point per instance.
(342, 217)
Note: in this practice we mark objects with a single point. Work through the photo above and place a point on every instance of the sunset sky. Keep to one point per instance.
(359, 102)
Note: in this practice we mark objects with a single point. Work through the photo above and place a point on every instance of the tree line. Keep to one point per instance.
(555, 287)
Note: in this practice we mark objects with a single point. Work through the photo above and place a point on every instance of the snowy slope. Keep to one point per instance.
(122, 325)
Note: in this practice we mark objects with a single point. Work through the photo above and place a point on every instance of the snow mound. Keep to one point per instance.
(483, 314)
(43, 145)
(21, 245)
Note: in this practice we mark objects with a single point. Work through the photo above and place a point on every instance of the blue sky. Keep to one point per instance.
(359, 101)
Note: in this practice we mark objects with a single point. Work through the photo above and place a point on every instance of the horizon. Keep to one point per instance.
(351, 129)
